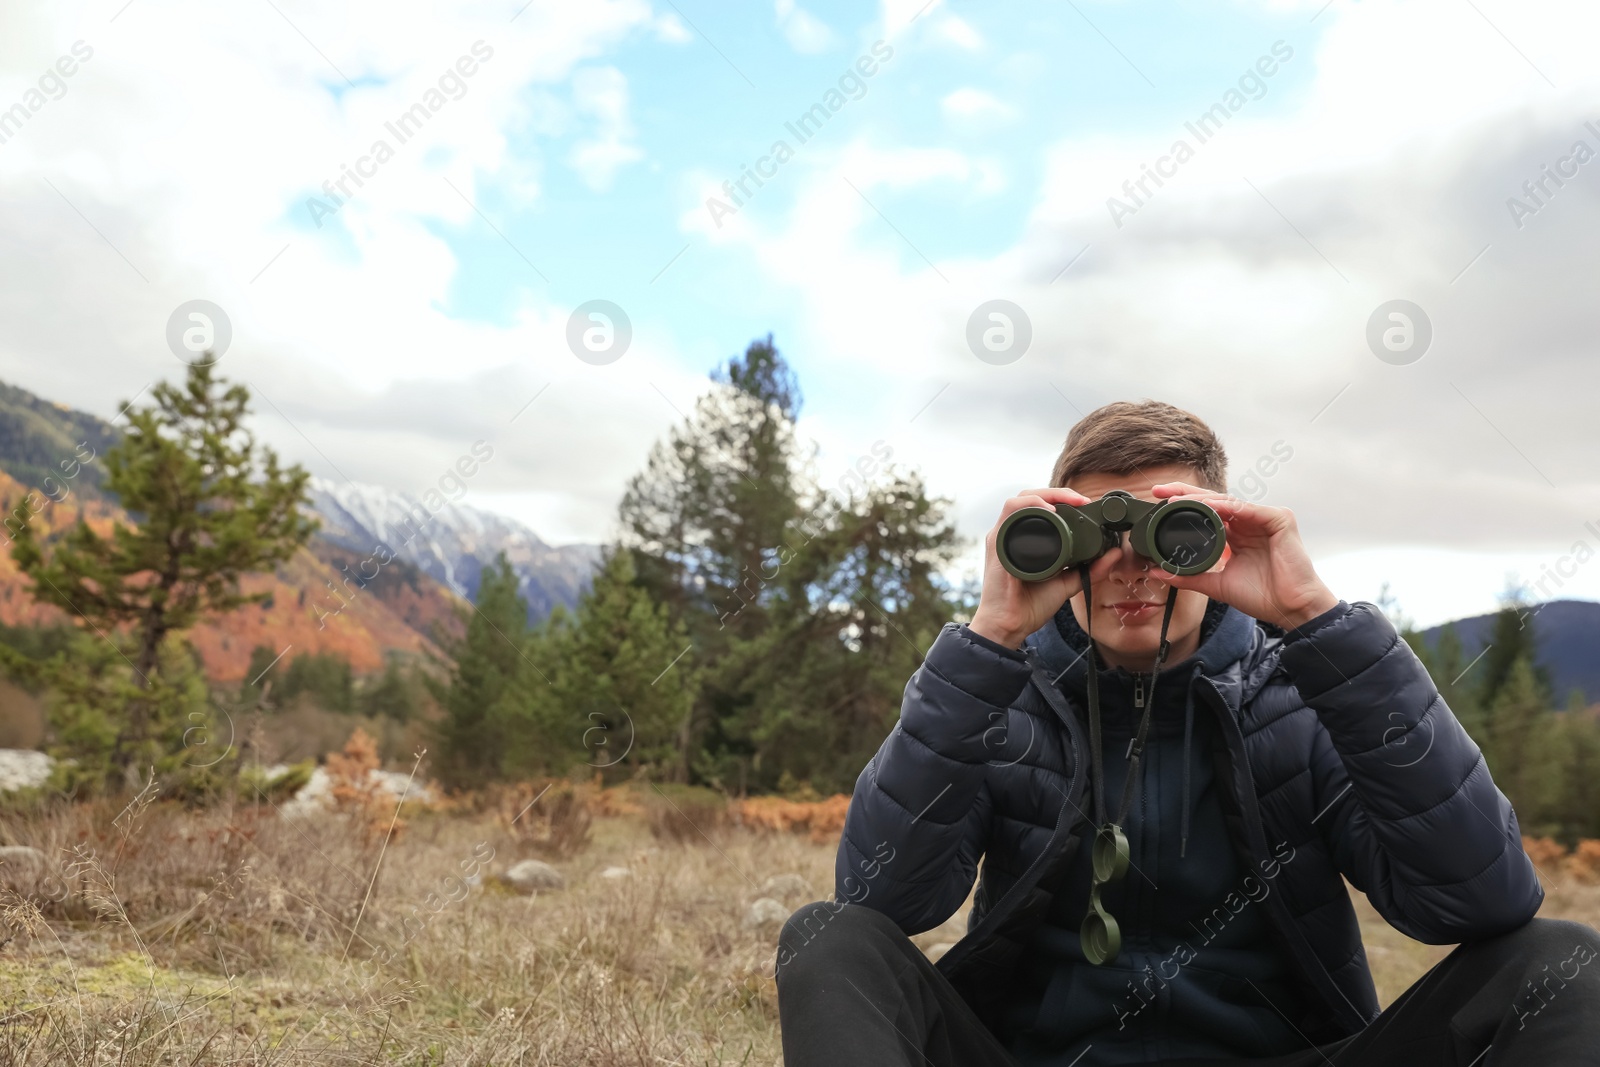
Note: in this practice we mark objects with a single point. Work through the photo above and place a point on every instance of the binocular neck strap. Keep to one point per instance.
(1136, 743)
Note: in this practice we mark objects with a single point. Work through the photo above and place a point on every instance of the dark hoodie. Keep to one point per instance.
(1194, 977)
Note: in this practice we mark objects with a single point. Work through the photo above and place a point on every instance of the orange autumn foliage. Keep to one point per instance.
(820, 819)
(1582, 864)
(356, 792)
(1544, 852)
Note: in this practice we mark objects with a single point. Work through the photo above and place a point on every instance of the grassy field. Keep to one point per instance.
(239, 937)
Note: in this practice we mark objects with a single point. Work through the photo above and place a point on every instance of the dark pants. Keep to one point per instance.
(859, 992)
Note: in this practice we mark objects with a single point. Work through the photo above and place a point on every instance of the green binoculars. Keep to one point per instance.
(1183, 537)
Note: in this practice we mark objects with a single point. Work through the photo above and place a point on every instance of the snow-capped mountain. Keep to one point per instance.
(451, 542)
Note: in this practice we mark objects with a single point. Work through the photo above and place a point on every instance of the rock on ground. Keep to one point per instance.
(22, 768)
(23, 869)
(314, 798)
(21, 856)
(532, 875)
(787, 887)
(615, 872)
(765, 912)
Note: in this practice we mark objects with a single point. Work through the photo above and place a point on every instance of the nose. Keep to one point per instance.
(1130, 569)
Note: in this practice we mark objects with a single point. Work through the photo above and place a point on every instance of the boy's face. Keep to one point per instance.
(1128, 604)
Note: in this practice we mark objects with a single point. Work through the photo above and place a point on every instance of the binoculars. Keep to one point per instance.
(1183, 537)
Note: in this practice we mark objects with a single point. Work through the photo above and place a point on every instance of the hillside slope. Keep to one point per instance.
(1567, 633)
(318, 601)
(311, 608)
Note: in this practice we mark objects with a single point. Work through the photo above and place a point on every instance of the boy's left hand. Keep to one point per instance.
(1267, 573)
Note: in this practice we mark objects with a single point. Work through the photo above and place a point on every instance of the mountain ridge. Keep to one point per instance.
(321, 600)
(1566, 634)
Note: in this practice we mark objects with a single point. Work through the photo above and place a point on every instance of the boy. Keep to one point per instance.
(1293, 741)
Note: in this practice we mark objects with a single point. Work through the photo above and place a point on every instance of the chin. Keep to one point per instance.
(1132, 645)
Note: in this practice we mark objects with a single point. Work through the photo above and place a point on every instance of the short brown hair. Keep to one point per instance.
(1124, 438)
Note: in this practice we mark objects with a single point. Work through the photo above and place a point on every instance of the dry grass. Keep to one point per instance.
(234, 936)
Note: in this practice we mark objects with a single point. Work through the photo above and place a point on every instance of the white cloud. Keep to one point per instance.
(670, 28)
(955, 30)
(602, 93)
(970, 103)
(804, 31)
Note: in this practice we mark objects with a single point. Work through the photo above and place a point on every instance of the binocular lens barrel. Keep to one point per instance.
(1182, 536)
(1034, 542)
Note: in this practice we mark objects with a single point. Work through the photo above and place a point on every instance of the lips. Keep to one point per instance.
(1133, 610)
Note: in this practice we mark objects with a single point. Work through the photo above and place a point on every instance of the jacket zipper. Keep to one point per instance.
(1138, 690)
(1255, 844)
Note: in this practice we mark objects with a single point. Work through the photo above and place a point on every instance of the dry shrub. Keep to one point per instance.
(822, 820)
(685, 813)
(1543, 851)
(614, 802)
(553, 819)
(1584, 863)
(357, 793)
(212, 888)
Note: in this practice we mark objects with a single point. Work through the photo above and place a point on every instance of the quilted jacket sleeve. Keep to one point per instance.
(1403, 794)
(919, 818)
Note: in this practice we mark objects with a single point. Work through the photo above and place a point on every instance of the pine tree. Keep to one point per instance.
(1579, 799)
(211, 506)
(706, 521)
(859, 607)
(325, 676)
(707, 514)
(481, 666)
(1513, 638)
(393, 694)
(1447, 663)
(1518, 760)
(610, 686)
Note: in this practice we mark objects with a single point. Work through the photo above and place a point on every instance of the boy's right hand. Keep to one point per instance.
(1009, 609)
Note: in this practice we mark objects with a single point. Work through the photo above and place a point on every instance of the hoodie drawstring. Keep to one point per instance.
(1188, 736)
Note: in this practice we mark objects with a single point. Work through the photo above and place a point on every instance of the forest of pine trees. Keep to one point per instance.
(1547, 762)
(752, 629)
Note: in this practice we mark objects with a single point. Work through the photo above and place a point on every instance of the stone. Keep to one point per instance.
(787, 887)
(22, 768)
(22, 855)
(615, 872)
(765, 912)
(532, 875)
(25, 870)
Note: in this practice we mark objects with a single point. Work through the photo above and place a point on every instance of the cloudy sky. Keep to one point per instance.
(1353, 153)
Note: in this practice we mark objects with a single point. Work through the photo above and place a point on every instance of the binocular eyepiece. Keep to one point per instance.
(1182, 537)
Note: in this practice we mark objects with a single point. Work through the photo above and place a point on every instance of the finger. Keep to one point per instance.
(1247, 516)
(1171, 489)
(1230, 508)
(1065, 586)
(1062, 495)
(1041, 498)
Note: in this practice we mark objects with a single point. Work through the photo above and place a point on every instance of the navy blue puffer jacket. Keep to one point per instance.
(1336, 741)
